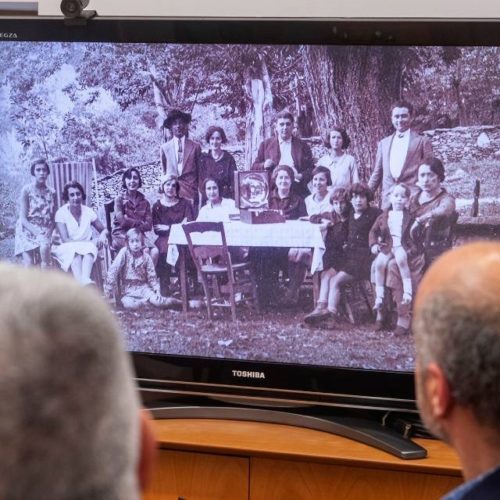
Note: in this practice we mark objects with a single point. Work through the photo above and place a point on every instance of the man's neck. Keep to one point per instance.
(477, 446)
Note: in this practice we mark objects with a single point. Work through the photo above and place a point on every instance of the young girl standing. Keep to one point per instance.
(390, 238)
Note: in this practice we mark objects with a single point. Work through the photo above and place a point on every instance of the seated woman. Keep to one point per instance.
(135, 270)
(269, 261)
(356, 260)
(216, 208)
(36, 218)
(169, 209)
(74, 222)
(319, 201)
(342, 166)
(132, 210)
(430, 203)
(335, 239)
(217, 164)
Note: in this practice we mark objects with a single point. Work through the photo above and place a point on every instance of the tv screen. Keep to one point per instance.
(134, 124)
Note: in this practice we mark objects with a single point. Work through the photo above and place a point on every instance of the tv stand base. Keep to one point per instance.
(364, 430)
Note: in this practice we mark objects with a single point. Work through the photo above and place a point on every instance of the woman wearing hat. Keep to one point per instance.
(180, 156)
(169, 209)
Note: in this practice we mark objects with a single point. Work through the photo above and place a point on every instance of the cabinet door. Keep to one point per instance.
(285, 480)
(198, 476)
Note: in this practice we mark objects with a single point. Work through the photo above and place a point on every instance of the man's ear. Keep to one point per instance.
(147, 452)
(438, 391)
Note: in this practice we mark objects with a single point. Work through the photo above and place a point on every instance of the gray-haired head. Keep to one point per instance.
(69, 426)
(457, 326)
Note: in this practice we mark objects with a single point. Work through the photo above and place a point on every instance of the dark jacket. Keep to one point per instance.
(380, 233)
(293, 205)
(302, 158)
(358, 257)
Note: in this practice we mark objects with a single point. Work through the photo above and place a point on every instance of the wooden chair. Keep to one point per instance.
(355, 295)
(439, 236)
(218, 275)
(110, 252)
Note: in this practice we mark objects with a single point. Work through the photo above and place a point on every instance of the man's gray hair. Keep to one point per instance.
(462, 335)
(69, 425)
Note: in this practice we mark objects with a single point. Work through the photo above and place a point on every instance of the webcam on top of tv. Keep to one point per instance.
(74, 12)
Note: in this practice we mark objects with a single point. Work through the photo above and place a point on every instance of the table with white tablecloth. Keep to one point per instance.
(290, 234)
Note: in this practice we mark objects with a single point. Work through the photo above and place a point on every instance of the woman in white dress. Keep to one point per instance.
(342, 166)
(74, 222)
(319, 201)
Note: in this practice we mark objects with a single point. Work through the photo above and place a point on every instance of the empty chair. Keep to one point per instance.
(219, 276)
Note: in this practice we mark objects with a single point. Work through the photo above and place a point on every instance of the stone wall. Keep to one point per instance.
(466, 143)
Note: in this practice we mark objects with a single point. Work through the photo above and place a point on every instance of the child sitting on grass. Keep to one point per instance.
(135, 271)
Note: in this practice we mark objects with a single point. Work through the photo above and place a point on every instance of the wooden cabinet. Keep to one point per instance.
(218, 460)
(196, 476)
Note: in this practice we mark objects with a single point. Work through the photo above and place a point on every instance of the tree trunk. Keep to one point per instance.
(354, 88)
(161, 101)
(259, 95)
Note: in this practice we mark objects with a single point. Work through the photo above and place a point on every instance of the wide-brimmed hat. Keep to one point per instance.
(175, 114)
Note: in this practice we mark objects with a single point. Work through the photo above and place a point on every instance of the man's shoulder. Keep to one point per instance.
(270, 141)
(300, 142)
(416, 134)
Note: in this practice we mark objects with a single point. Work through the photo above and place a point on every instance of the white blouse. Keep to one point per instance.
(344, 171)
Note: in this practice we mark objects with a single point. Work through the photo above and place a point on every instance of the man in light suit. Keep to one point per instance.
(399, 155)
(285, 149)
(180, 156)
(457, 337)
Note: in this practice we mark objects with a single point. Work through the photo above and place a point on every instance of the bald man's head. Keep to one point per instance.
(457, 325)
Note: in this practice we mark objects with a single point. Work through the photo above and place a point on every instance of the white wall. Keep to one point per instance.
(288, 8)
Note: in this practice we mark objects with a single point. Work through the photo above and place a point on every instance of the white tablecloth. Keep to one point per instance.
(293, 234)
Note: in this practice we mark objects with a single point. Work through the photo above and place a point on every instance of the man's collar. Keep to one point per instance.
(287, 141)
(400, 135)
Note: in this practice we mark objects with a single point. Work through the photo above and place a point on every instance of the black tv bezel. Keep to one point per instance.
(292, 383)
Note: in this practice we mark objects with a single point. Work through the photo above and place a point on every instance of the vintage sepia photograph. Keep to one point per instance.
(255, 202)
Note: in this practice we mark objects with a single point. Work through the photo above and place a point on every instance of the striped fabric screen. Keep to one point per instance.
(82, 172)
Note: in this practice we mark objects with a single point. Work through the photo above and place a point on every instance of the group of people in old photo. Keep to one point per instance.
(378, 241)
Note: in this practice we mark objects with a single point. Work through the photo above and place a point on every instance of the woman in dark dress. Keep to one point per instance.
(269, 261)
(132, 210)
(169, 209)
(217, 164)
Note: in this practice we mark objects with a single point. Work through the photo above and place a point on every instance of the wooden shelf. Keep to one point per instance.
(202, 459)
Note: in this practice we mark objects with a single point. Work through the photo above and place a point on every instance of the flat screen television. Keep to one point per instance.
(91, 101)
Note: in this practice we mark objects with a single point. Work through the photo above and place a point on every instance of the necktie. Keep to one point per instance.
(179, 153)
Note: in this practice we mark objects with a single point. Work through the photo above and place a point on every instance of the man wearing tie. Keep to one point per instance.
(284, 149)
(180, 156)
(400, 154)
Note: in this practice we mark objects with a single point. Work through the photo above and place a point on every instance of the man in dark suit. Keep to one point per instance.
(457, 335)
(180, 156)
(285, 149)
(400, 154)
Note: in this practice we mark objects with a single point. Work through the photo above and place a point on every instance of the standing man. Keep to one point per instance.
(180, 156)
(457, 334)
(285, 149)
(399, 155)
